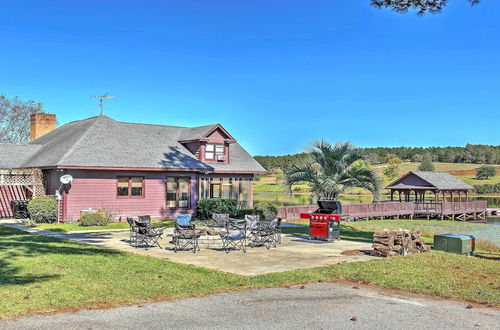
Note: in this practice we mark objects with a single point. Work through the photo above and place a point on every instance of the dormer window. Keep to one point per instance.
(215, 152)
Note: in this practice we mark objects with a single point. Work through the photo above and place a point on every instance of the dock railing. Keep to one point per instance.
(386, 209)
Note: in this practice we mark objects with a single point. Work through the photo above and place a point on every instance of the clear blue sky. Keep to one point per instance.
(276, 74)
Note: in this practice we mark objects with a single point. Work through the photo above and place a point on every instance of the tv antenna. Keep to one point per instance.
(101, 97)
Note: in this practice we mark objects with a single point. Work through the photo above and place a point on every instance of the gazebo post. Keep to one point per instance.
(392, 195)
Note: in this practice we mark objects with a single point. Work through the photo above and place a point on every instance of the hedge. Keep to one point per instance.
(43, 209)
(206, 207)
(269, 210)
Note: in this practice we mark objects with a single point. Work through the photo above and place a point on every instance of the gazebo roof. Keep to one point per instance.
(429, 180)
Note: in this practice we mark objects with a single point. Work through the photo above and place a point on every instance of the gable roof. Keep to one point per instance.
(428, 179)
(203, 132)
(103, 142)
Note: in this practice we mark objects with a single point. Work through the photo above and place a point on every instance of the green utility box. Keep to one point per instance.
(455, 243)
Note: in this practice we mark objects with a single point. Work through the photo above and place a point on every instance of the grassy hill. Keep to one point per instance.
(465, 172)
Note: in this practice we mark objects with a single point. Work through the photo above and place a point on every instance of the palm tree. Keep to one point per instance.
(333, 169)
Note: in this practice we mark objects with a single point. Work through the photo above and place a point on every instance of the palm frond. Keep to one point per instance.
(333, 169)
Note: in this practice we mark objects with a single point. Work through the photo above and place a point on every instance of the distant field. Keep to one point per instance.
(465, 172)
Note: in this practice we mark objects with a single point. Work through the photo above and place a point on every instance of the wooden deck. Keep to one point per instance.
(448, 210)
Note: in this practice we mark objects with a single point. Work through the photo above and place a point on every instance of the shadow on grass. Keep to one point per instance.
(16, 244)
(346, 232)
(9, 275)
(354, 234)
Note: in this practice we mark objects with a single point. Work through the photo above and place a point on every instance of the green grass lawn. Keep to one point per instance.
(65, 227)
(40, 274)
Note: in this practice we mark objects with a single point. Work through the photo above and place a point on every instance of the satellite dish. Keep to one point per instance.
(66, 179)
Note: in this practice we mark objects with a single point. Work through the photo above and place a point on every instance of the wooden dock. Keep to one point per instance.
(492, 212)
(430, 210)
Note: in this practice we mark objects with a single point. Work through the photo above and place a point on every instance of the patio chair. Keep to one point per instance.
(259, 235)
(234, 237)
(220, 220)
(275, 227)
(144, 218)
(133, 232)
(147, 235)
(185, 235)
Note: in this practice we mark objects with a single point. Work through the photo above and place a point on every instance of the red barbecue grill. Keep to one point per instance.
(324, 223)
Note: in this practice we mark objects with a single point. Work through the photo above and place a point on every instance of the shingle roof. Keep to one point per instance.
(104, 142)
(194, 133)
(437, 180)
(13, 155)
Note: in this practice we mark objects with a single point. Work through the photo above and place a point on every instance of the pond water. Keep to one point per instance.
(481, 231)
(285, 199)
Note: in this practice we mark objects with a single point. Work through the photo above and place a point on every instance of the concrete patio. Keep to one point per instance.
(294, 253)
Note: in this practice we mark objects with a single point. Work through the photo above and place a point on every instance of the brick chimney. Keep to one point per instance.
(41, 124)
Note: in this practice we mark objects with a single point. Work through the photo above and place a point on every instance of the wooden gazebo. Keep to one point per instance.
(414, 185)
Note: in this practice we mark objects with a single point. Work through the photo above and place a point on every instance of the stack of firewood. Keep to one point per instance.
(388, 243)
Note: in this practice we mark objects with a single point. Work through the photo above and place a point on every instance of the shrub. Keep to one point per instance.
(101, 217)
(426, 164)
(269, 210)
(206, 207)
(43, 209)
(485, 172)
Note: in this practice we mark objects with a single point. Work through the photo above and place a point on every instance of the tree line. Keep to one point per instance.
(470, 153)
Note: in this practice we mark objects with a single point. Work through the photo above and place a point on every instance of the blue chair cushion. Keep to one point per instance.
(183, 219)
(235, 235)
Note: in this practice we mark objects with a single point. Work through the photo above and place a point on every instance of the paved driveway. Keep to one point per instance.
(317, 306)
(294, 252)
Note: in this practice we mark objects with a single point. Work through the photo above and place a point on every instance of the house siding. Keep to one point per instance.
(95, 189)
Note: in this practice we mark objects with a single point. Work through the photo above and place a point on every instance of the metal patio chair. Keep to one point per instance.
(259, 235)
(147, 235)
(144, 219)
(234, 237)
(220, 220)
(275, 227)
(185, 235)
(133, 232)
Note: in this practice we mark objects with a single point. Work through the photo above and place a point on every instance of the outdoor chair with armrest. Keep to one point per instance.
(185, 235)
(260, 235)
(234, 237)
(220, 220)
(148, 235)
(144, 219)
(133, 232)
(275, 227)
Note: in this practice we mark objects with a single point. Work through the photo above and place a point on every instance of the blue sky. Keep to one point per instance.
(276, 74)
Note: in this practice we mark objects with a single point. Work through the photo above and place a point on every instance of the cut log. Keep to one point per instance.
(388, 243)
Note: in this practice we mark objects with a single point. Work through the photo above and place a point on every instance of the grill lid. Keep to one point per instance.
(329, 207)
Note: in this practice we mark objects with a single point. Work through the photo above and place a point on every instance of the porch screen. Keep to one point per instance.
(184, 192)
(178, 194)
(171, 192)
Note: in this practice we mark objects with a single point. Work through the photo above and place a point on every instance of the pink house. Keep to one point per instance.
(135, 169)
